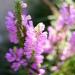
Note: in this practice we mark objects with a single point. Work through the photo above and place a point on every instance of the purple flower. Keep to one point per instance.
(72, 43)
(72, 38)
(23, 5)
(10, 56)
(34, 44)
(15, 56)
(26, 20)
(69, 50)
(11, 27)
(39, 59)
(41, 72)
(66, 53)
(68, 14)
(66, 17)
(15, 66)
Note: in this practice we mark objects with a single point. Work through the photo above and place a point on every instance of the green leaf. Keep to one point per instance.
(68, 68)
(23, 72)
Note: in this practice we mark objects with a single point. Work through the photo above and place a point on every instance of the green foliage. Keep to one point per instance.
(58, 3)
(23, 72)
(20, 28)
(68, 68)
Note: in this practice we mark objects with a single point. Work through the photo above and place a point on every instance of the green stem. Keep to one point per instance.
(57, 56)
(21, 31)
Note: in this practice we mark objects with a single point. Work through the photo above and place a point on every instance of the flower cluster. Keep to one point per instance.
(61, 36)
(57, 41)
(14, 56)
(67, 16)
(30, 55)
(11, 27)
